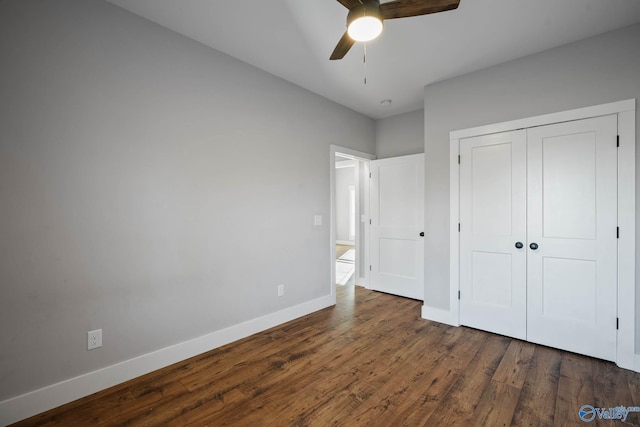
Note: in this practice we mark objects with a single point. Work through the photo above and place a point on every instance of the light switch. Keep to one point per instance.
(317, 220)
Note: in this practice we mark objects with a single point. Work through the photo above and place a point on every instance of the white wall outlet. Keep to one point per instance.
(317, 220)
(280, 290)
(94, 339)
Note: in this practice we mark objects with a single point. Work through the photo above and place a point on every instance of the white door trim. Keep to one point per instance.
(356, 155)
(546, 119)
(626, 111)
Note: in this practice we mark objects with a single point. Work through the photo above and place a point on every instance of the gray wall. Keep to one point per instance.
(344, 178)
(400, 135)
(589, 72)
(145, 183)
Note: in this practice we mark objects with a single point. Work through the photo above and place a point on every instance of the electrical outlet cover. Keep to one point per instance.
(94, 339)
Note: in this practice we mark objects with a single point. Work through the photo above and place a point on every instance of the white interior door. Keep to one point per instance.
(572, 219)
(397, 219)
(493, 233)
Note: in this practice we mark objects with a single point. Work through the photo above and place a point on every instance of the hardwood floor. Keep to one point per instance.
(368, 361)
(342, 249)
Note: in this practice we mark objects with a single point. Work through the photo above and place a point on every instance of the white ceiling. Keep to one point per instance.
(294, 38)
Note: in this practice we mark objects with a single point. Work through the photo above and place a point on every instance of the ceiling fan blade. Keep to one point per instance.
(343, 47)
(407, 8)
(349, 4)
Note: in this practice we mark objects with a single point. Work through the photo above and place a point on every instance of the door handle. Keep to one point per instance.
(533, 246)
(422, 234)
(519, 245)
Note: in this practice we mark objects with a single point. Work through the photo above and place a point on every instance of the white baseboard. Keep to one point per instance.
(32, 403)
(446, 317)
(439, 315)
(636, 364)
(346, 242)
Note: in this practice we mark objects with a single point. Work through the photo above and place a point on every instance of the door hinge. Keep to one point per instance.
(458, 158)
(369, 222)
(458, 227)
(617, 140)
(369, 174)
(617, 232)
(369, 268)
(458, 294)
(617, 323)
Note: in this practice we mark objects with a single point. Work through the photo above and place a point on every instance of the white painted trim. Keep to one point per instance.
(454, 234)
(345, 164)
(32, 403)
(563, 116)
(332, 222)
(357, 236)
(627, 241)
(626, 111)
(363, 280)
(348, 152)
(636, 365)
(346, 242)
(355, 155)
(439, 315)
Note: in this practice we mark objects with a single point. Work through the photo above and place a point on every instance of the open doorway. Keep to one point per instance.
(346, 199)
(349, 217)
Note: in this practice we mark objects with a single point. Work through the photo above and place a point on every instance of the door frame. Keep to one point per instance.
(626, 298)
(365, 158)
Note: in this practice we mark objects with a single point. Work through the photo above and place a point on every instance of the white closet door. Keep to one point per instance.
(572, 218)
(397, 219)
(492, 217)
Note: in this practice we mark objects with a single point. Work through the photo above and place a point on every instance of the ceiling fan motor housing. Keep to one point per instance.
(367, 8)
(365, 18)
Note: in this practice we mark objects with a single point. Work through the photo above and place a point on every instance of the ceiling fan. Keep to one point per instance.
(364, 21)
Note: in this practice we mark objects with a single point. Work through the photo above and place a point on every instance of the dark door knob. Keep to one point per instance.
(533, 246)
(519, 245)
(422, 234)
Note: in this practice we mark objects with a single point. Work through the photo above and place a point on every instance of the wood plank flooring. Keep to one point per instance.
(368, 361)
(342, 249)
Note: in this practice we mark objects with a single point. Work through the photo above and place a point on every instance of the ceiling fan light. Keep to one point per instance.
(365, 28)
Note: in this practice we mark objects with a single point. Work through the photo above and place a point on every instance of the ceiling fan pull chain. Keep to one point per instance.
(365, 63)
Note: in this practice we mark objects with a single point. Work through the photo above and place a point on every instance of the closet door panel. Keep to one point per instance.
(572, 218)
(492, 216)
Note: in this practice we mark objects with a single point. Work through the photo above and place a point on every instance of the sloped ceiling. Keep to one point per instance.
(294, 38)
